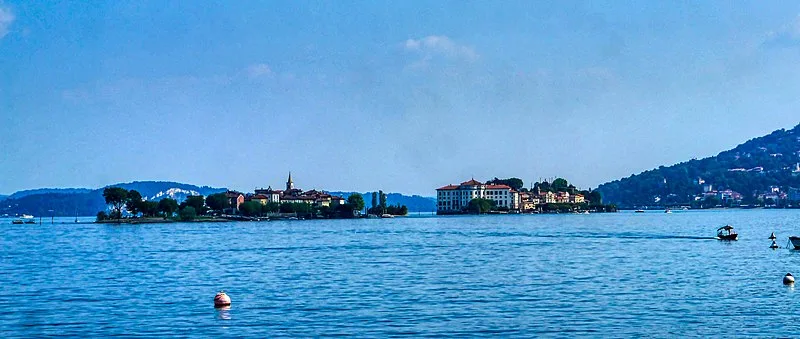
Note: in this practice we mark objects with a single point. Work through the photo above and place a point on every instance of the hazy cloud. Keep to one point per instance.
(6, 18)
(259, 70)
(787, 36)
(432, 45)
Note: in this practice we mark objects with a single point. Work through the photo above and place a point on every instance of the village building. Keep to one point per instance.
(547, 197)
(234, 199)
(455, 198)
(295, 195)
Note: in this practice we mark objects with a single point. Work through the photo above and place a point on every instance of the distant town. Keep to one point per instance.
(508, 196)
(262, 204)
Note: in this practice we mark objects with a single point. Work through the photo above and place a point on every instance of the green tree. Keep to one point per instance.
(250, 208)
(133, 202)
(711, 201)
(515, 183)
(271, 207)
(218, 202)
(187, 213)
(594, 197)
(149, 208)
(397, 209)
(357, 201)
(560, 185)
(116, 197)
(374, 200)
(480, 205)
(197, 202)
(102, 216)
(382, 201)
(302, 208)
(167, 206)
(286, 207)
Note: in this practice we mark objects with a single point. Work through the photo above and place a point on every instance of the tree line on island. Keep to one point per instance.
(593, 198)
(130, 204)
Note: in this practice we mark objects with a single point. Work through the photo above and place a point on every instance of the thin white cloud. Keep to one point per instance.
(787, 35)
(440, 45)
(259, 70)
(6, 18)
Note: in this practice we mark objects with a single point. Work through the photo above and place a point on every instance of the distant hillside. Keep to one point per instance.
(68, 202)
(750, 169)
(156, 190)
(25, 193)
(415, 203)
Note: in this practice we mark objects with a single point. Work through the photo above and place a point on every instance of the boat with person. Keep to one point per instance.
(667, 210)
(726, 233)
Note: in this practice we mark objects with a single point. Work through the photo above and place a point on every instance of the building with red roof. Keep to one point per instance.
(455, 198)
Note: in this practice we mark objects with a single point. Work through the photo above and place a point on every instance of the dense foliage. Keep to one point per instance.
(480, 206)
(515, 183)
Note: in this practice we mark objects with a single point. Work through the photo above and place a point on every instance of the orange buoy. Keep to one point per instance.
(222, 299)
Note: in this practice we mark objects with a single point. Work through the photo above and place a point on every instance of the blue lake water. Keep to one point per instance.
(622, 274)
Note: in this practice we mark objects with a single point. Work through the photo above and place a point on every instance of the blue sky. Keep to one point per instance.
(404, 96)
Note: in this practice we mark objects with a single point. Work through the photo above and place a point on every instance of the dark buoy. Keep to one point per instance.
(772, 236)
(222, 299)
(788, 279)
(774, 245)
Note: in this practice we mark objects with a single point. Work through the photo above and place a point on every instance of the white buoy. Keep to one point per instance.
(788, 279)
(222, 299)
(772, 236)
(774, 245)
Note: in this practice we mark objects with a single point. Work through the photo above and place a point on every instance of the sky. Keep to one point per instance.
(403, 96)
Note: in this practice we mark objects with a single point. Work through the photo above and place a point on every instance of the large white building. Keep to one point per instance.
(454, 198)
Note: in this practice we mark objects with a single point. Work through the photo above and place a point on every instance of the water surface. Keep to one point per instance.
(622, 274)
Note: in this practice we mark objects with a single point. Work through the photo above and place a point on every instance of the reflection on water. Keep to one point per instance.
(599, 275)
(224, 312)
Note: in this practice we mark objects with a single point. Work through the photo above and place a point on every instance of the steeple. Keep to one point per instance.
(289, 183)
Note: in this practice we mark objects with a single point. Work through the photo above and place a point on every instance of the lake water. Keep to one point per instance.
(622, 274)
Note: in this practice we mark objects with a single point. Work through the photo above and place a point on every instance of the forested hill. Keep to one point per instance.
(68, 202)
(750, 169)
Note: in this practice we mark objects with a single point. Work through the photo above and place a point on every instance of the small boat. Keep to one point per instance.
(638, 211)
(795, 240)
(30, 221)
(726, 233)
(667, 210)
(17, 222)
(26, 216)
(387, 216)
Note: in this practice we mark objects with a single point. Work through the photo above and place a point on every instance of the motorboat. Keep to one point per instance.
(726, 233)
(26, 217)
(667, 210)
(17, 222)
(795, 240)
(387, 215)
(638, 211)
